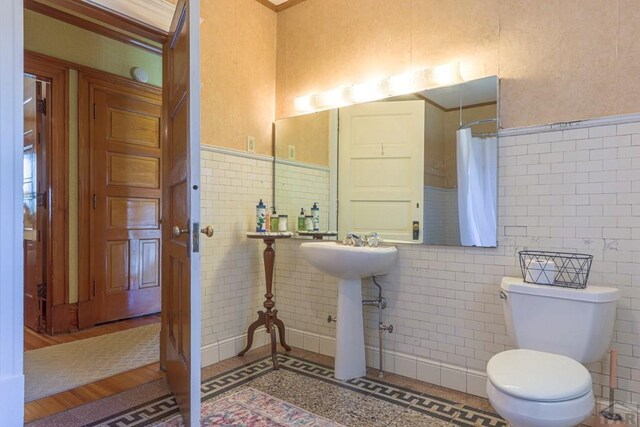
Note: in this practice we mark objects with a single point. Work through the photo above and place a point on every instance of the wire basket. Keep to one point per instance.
(569, 270)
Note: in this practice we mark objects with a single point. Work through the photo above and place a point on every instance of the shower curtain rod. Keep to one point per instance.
(477, 122)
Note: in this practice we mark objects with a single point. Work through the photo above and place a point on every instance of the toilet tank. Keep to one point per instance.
(577, 323)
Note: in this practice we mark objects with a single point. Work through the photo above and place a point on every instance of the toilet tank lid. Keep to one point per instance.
(597, 294)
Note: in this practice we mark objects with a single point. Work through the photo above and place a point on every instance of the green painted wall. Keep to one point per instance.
(64, 41)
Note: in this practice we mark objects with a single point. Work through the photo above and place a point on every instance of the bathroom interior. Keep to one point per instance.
(550, 88)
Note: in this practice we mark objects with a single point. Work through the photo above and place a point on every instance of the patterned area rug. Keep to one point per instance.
(306, 386)
(251, 407)
(61, 367)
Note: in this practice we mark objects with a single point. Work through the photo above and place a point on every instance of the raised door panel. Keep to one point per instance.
(149, 263)
(118, 266)
(134, 171)
(134, 213)
(134, 128)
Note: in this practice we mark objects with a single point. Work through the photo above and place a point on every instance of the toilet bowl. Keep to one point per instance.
(543, 383)
(537, 389)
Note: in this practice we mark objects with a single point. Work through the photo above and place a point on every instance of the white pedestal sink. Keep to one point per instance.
(349, 264)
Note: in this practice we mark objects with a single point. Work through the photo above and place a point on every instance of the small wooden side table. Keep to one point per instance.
(269, 318)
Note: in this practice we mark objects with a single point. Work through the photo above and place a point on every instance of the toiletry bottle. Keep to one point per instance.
(275, 219)
(315, 213)
(308, 223)
(301, 222)
(283, 224)
(261, 215)
(267, 220)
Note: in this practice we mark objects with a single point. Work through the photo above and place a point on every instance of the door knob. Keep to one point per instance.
(208, 231)
(177, 231)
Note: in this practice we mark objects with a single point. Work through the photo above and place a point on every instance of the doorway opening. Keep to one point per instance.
(92, 214)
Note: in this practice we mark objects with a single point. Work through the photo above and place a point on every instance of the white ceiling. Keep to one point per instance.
(472, 92)
(157, 13)
(278, 2)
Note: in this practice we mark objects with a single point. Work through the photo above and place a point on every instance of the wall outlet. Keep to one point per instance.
(251, 144)
(292, 152)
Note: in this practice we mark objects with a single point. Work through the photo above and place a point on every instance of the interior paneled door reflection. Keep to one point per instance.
(34, 202)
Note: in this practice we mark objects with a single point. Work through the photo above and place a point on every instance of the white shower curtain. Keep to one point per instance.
(477, 186)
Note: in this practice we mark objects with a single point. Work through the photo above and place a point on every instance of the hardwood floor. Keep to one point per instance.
(94, 391)
(91, 392)
(34, 340)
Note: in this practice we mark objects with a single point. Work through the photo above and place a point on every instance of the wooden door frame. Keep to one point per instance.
(57, 179)
(88, 81)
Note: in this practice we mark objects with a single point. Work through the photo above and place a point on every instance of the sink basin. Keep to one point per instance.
(349, 264)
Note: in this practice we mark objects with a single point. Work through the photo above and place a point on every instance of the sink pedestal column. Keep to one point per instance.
(350, 358)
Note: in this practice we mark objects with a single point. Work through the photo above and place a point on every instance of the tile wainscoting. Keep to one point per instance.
(576, 189)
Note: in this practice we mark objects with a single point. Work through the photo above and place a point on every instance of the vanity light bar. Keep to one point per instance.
(401, 84)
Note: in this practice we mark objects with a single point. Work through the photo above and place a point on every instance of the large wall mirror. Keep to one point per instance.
(418, 168)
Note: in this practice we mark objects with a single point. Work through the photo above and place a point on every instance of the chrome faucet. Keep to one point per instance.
(352, 239)
(372, 239)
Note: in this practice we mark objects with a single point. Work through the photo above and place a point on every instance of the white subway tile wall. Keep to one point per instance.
(299, 186)
(440, 219)
(233, 282)
(574, 190)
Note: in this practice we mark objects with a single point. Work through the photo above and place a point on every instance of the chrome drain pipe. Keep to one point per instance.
(381, 303)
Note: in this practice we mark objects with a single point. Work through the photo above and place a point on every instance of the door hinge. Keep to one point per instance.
(41, 106)
(42, 200)
(95, 201)
(94, 111)
(94, 288)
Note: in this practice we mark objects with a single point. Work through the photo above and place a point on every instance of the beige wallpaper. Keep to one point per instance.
(309, 134)
(238, 42)
(559, 60)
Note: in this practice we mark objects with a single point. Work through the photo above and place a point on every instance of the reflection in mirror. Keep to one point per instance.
(419, 168)
(304, 148)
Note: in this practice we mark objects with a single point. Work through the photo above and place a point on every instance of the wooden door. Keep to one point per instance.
(34, 202)
(381, 168)
(180, 333)
(125, 219)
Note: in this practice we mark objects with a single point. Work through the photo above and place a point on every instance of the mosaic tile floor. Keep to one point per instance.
(306, 381)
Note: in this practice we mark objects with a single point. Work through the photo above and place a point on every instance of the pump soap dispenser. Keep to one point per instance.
(315, 213)
(261, 217)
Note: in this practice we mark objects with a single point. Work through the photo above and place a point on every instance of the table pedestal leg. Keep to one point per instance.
(269, 318)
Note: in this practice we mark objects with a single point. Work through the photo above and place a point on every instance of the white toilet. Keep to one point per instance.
(543, 382)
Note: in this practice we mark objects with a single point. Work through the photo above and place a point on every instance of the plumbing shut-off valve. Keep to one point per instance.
(384, 327)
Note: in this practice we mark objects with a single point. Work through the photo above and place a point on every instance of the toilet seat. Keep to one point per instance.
(538, 376)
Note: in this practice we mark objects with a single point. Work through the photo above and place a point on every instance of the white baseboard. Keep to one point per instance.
(434, 372)
(230, 347)
(12, 400)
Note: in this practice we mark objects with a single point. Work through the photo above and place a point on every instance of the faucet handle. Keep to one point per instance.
(372, 239)
(352, 239)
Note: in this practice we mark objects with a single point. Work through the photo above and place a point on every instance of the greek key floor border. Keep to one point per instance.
(443, 409)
